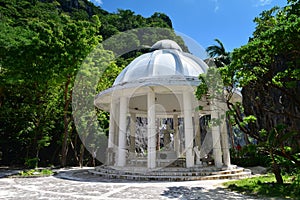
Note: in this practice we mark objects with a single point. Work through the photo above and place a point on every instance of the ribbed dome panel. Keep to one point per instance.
(160, 63)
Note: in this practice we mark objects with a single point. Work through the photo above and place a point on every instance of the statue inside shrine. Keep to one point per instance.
(167, 137)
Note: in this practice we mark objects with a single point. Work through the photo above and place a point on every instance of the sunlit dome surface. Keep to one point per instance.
(165, 61)
(166, 44)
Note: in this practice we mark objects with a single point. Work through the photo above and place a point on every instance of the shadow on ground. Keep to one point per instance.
(198, 193)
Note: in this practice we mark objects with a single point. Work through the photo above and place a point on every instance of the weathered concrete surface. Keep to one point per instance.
(258, 170)
(78, 184)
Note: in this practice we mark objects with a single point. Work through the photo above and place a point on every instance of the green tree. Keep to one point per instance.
(160, 20)
(24, 110)
(43, 45)
(267, 70)
(36, 87)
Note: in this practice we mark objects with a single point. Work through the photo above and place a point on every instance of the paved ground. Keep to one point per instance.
(78, 184)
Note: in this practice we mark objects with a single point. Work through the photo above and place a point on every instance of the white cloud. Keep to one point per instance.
(263, 2)
(217, 5)
(97, 2)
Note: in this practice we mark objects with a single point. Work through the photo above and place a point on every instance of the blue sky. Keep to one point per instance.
(231, 21)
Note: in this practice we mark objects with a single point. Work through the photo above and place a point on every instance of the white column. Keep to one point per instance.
(188, 128)
(116, 132)
(225, 144)
(176, 135)
(132, 134)
(122, 132)
(197, 135)
(151, 130)
(157, 124)
(197, 130)
(111, 134)
(112, 124)
(216, 136)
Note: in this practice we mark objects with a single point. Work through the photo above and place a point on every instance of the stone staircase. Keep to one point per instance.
(171, 173)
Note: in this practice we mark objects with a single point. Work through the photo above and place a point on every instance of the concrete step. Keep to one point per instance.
(173, 178)
(168, 175)
(136, 169)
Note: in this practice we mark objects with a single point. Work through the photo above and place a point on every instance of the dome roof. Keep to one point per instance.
(165, 61)
(166, 44)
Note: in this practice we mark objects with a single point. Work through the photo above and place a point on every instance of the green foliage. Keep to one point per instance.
(211, 84)
(287, 166)
(279, 141)
(36, 173)
(276, 35)
(31, 162)
(129, 44)
(43, 46)
(267, 71)
(49, 47)
(295, 187)
(250, 119)
(266, 186)
(249, 156)
(124, 20)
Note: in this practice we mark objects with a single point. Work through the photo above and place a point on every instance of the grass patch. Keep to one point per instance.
(36, 173)
(267, 186)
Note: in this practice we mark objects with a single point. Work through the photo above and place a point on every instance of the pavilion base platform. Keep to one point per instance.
(171, 173)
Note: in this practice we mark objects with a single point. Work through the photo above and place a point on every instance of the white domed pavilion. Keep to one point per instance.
(158, 87)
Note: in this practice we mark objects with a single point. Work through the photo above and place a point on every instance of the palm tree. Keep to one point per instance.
(221, 58)
(220, 55)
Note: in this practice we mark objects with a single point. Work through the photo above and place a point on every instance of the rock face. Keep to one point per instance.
(69, 5)
(273, 106)
(258, 170)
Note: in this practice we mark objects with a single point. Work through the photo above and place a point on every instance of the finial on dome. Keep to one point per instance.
(166, 44)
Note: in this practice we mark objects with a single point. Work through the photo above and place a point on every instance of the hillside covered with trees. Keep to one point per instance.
(43, 44)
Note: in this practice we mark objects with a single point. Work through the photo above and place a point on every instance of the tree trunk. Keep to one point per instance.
(67, 100)
(276, 169)
(74, 147)
(277, 172)
(231, 133)
(247, 141)
(64, 150)
(37, 158)
(81, 155)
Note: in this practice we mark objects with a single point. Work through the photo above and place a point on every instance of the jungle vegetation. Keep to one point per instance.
(45, 42)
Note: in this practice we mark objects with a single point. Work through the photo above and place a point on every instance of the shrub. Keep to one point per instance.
(31, 162)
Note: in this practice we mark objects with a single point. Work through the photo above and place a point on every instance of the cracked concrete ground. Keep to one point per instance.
(78, 184)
